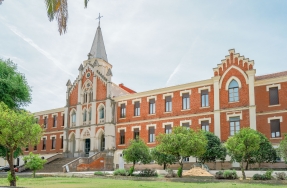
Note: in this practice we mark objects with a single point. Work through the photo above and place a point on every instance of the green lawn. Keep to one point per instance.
(63, 182)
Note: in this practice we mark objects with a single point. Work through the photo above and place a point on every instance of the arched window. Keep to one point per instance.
(85, 115)
(74, 118)
(91, 96)
(90, 114)
(102, 113)
(233, 91)
(103, 142)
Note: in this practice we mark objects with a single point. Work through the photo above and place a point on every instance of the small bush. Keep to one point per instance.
(230, 174)
(219, 175)
(147, 173)
(131, 171)
(170, 173)
(266, 176)
(281, 175)
(121, 172)
(99, 173)
(179, 172)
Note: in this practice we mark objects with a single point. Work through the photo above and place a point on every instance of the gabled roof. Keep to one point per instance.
(98, 47)
(126, 88)
(273, 75)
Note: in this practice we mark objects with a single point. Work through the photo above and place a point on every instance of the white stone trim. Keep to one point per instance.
(122, 102)
(237, 68)
(186, 121)
(273, 85)
(53, 136)
(133, 127)
(54, 114)
(122, 128)
(43, 137)
(135, 100)
(230, 79)
(167, 94)
(167, 123)
(204, 88)
(151, 97)
(204, 119)
(150, 125)
(275, 117)
(234, 114)
(185, 91)
(62, 113)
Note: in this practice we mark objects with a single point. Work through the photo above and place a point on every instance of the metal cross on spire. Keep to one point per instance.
(99, 18)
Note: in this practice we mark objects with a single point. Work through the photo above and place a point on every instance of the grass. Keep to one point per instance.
(72, 182)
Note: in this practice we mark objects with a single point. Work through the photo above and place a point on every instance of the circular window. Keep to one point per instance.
(88, 75)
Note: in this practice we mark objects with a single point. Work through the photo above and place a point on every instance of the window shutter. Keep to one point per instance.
(151, 130)
(152, 101)
(122, 132)
(185, 95)
(168, 99)
(273, 96)
(185, 125)
(204, 92)
(275, 125)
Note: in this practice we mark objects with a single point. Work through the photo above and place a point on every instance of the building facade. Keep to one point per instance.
(101, 116)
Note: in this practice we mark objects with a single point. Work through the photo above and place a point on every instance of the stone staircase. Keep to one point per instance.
(56, 165)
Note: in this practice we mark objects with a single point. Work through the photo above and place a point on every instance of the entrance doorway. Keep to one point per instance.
(87, 147)
(103, 142)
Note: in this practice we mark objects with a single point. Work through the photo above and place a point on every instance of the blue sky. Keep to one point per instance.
(150, 43)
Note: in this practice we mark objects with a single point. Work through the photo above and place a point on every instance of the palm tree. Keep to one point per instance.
(59, 9)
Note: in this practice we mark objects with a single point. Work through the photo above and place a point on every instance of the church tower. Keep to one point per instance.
(90, 125)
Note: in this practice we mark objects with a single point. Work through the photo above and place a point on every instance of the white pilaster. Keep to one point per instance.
(252, 107)
(66, 112)
(216, 107)
(109, 136)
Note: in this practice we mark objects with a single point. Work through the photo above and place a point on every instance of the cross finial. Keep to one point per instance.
(99, 18)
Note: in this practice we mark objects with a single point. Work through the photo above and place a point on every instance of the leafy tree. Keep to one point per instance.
(3, 152)
(163, 158)
(266, 152)
(282, 150)
(14, 89)
(137, 151)
(214, 149)
(242, 144)
(34, 162)
(182, 143)
(17, 129)
(59, 9)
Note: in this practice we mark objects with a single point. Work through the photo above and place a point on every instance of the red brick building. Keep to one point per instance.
(101, 116)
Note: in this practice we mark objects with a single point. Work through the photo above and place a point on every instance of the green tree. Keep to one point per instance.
(214, 149)
(59, 9)
(137, 151)
(265, 154)
(17, 129)
(34, 162)
(282, 150)
(163, 158)
(182, 143)
(14, 89)
(241, 145)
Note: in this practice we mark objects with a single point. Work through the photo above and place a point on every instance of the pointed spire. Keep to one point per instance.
(81, 67)
(98, 48)
(68, 83)
(109, 73)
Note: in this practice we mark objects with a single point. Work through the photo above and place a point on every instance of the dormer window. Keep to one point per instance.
(233, 90)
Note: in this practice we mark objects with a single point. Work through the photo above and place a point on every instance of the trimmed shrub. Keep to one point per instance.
(170, 173)
(227, 174)
(219, 175)
(281, 175)
(258, 177)
(147, 173)
(99, 173)
(230, 174)
(121, 172)
(266, 176)
(179, 172)
(131, 171)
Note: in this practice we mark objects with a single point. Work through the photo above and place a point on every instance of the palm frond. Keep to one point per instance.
(62, 16)
(86, 3)
(51, 8)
